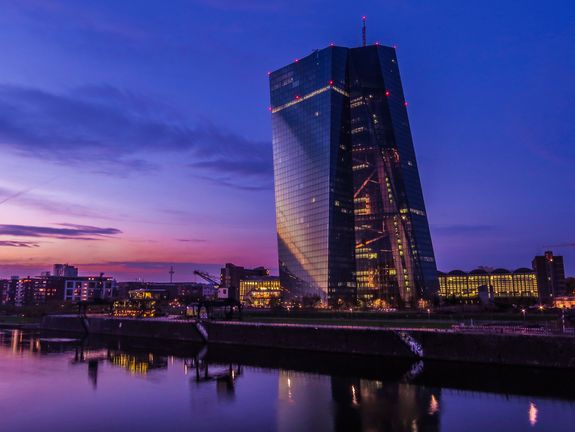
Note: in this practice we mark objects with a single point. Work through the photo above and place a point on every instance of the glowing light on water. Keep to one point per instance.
(533, 411)
(433, 405)
(354, 396)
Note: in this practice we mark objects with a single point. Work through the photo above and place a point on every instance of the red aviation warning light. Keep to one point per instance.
(387, 93)
(330, 82)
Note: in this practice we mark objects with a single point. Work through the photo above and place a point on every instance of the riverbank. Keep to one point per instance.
(556, 351)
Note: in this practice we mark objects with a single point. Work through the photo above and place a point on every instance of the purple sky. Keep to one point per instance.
(135, 134)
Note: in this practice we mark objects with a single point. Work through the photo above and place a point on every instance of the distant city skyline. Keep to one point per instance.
(136, 136)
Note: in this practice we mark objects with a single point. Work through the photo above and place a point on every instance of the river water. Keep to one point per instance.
(51, 383)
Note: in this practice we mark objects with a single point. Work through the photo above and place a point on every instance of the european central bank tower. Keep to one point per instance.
(350, 215)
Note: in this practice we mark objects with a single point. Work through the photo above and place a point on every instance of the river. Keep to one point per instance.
(53, 383)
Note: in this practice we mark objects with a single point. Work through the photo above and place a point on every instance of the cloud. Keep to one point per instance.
(18, 244)
(231, 182)
(147, 265)
(109, 130)
(184, 270)
(56, 15)
(194, 240)
(10, 195)
(121, 270)
(26, 198)
(64, 231)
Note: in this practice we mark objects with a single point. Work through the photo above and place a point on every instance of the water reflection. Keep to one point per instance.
(374, 405)
(532, 414)
(224, 376)
(149, 387)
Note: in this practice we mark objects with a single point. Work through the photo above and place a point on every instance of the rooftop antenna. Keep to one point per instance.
(171, 272)
(363, 30)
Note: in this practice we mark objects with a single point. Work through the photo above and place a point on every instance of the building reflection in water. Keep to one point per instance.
(355, 404)
(19, 341)
(374, 405)
(139, 364)
(224, 375)
(304, 402)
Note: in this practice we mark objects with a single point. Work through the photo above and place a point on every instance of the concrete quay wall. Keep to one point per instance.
(507, 349)
(323, 338)
(124, 327)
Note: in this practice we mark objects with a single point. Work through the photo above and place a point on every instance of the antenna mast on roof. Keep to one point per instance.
(363, 30)
(171, 272)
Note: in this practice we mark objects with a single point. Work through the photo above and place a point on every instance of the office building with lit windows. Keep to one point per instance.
(260, 291)
(541, 284)
(351, 219)
(500, 285)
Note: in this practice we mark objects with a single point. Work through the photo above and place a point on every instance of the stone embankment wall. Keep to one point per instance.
(509, 349)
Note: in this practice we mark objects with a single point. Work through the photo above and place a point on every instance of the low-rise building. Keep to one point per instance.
(89, 288)
(172, 290)
(564, 302)
(260, 291)
(497, 285)
(31, 291)
(231, 275)
(541, 284)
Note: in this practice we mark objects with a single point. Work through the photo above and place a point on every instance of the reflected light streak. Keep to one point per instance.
(433, 406)
(533, 411)
(354, 396)
(289, 389)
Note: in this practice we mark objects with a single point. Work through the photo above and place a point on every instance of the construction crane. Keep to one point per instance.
(207, 277)
(222, 300)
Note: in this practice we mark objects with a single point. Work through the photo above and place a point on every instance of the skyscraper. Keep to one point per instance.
(350, 214)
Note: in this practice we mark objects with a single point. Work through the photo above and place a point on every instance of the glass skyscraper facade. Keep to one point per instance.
(350, 214)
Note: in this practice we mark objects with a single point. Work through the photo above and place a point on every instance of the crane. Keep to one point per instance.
(222, 301)
(205, 276)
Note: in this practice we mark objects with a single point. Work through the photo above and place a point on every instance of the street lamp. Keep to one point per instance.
(523, 312)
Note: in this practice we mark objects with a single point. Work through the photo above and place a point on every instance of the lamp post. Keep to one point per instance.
(523, 312)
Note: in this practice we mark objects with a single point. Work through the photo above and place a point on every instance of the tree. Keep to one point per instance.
(310, 301)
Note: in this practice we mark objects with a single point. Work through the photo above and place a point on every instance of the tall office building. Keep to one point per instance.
(350, 214)
(550, 276)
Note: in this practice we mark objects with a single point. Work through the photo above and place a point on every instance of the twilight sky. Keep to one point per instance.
(135, 134)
